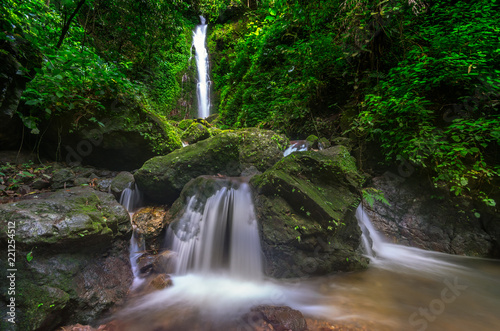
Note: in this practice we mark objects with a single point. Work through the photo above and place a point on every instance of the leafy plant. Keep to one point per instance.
(370, 195)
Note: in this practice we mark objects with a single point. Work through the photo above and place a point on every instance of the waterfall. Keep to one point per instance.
(203, 86)
(220, 236)
(400, 258)
(131, 198)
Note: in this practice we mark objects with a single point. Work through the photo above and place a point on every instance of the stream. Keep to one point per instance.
(217, 281)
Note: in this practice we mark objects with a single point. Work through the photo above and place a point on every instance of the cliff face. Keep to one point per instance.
(19, 59)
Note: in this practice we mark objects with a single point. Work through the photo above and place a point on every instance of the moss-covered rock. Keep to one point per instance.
(229, 153)
(184, 124)
(62, 178)
(195, 132)
(122, 181)
(313, 141)
(305, 205)
(169, 141)
(324, 143)
(72, 257)
(63, 219)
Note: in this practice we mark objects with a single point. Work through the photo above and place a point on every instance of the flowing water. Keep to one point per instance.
(219, 278)
(296, 146)
(202, 64)
(221, 236)
(132, 199)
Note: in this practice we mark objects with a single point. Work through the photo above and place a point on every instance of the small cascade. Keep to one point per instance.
(296, 146)
(137, 246)
(401, 258)
(221, 236)
(132, 199)
(203, 86)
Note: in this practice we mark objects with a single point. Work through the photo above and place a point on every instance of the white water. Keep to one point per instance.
(222, 238)
(132, 199)
(203, 86)
(296, 146)
(403, 289)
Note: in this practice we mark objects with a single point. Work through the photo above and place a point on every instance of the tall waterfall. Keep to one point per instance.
(203, 86)
(220, 236)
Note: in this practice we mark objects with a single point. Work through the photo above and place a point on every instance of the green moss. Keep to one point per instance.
(228, 153)
(184, 124)
(195, 132)
(313, 141)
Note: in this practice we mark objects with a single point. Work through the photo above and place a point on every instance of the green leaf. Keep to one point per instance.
(29, 256)
(33, 102)
(59, 94)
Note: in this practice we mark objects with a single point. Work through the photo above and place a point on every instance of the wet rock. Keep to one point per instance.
(161, 263)
(145, 264)
(81, 181)
(150, 222)
(63, 178)
(160, 282)
(122, 181)
(424, 217)
(104, 184)
(281, 318)
(313, 141)
(40, 184)
(72, 249)
(324, 143)
(305, 205)
(64, 218)
(162, 178)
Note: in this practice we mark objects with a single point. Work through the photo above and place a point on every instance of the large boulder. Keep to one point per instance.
(305, 205)
(72, 257)
(422, 216)
(121, 137)
(229, 153)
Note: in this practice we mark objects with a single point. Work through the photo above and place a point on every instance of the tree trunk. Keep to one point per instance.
(68, 23)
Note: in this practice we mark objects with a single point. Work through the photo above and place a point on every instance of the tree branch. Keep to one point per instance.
(68, 22)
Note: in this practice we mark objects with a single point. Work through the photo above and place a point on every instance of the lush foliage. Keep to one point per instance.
(423, 76)
(95, 50)
(438, 107)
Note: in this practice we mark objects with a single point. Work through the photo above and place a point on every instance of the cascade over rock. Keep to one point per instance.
(78, 243)
(215, 229)
(424, 217)
(305, 205)
(228, 153)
